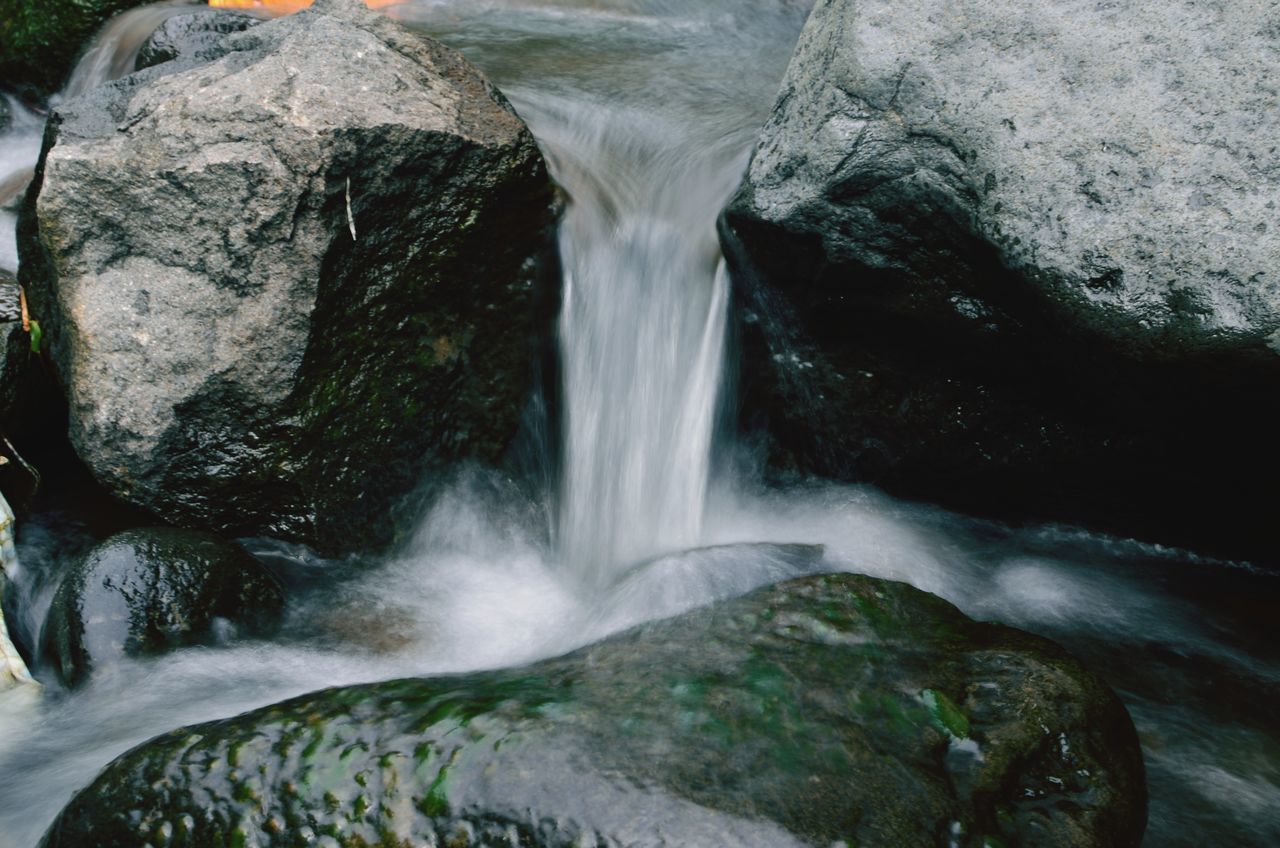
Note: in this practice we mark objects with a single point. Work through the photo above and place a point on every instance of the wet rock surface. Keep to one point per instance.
(147, 591)
(192, 38)
(829, 710)
(1022, 260)
(285, 287)
(23, 398)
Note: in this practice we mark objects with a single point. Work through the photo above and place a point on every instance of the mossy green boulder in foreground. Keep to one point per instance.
(833, 710)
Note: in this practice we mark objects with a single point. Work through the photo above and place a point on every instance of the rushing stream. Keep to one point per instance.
(646, 111)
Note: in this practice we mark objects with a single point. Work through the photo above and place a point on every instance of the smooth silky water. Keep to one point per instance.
(646, 112)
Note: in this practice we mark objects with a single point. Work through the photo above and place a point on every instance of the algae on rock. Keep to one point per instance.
(790, 716)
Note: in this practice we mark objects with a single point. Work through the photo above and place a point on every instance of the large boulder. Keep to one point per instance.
(836, 710)
(1023, 258)
(147, 591)
(284, 287)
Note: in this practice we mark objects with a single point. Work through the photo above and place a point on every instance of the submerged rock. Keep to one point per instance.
(829, 710)
(283, 287)
(1023, 259)
(147, 591)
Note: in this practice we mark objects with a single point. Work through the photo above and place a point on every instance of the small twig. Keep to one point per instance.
(22, 304)
(351, 220)
(30, 469)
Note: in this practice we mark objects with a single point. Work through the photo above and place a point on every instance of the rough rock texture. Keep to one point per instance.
(1024, 258)
(39, 41)
(829, 710)
(15, 373)
(147, 591)
(194, 37)
(231, 356)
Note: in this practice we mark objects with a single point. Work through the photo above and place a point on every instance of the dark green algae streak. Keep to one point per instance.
(827, 707)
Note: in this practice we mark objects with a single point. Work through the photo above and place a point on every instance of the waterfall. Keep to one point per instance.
(646, 115)
(112, 52)
(641, 330)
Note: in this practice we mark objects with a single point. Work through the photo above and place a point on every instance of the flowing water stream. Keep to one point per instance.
(646, 111)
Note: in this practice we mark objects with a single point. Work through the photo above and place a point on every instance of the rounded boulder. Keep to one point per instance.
(151, 590)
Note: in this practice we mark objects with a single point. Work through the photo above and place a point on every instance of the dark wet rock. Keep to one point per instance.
(148, 591)
(193, 38)
(232, 356)
(17, 365)
(1023, 260)
(41, 40)
(824, 711)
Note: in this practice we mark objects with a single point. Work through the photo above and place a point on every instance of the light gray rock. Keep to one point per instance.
(283, 286)
(1055, 220)
(1123, 153)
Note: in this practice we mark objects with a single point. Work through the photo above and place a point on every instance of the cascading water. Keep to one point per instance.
(114, 50)
(641, 335)
(19, 147)
(647, 162)
(646, 110)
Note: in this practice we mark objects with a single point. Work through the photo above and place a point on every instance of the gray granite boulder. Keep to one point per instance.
(832, 710)
(1024, 258)
(284, 287)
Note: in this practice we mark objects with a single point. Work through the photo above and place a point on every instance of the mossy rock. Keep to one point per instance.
(148, 591)
(793, 716)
